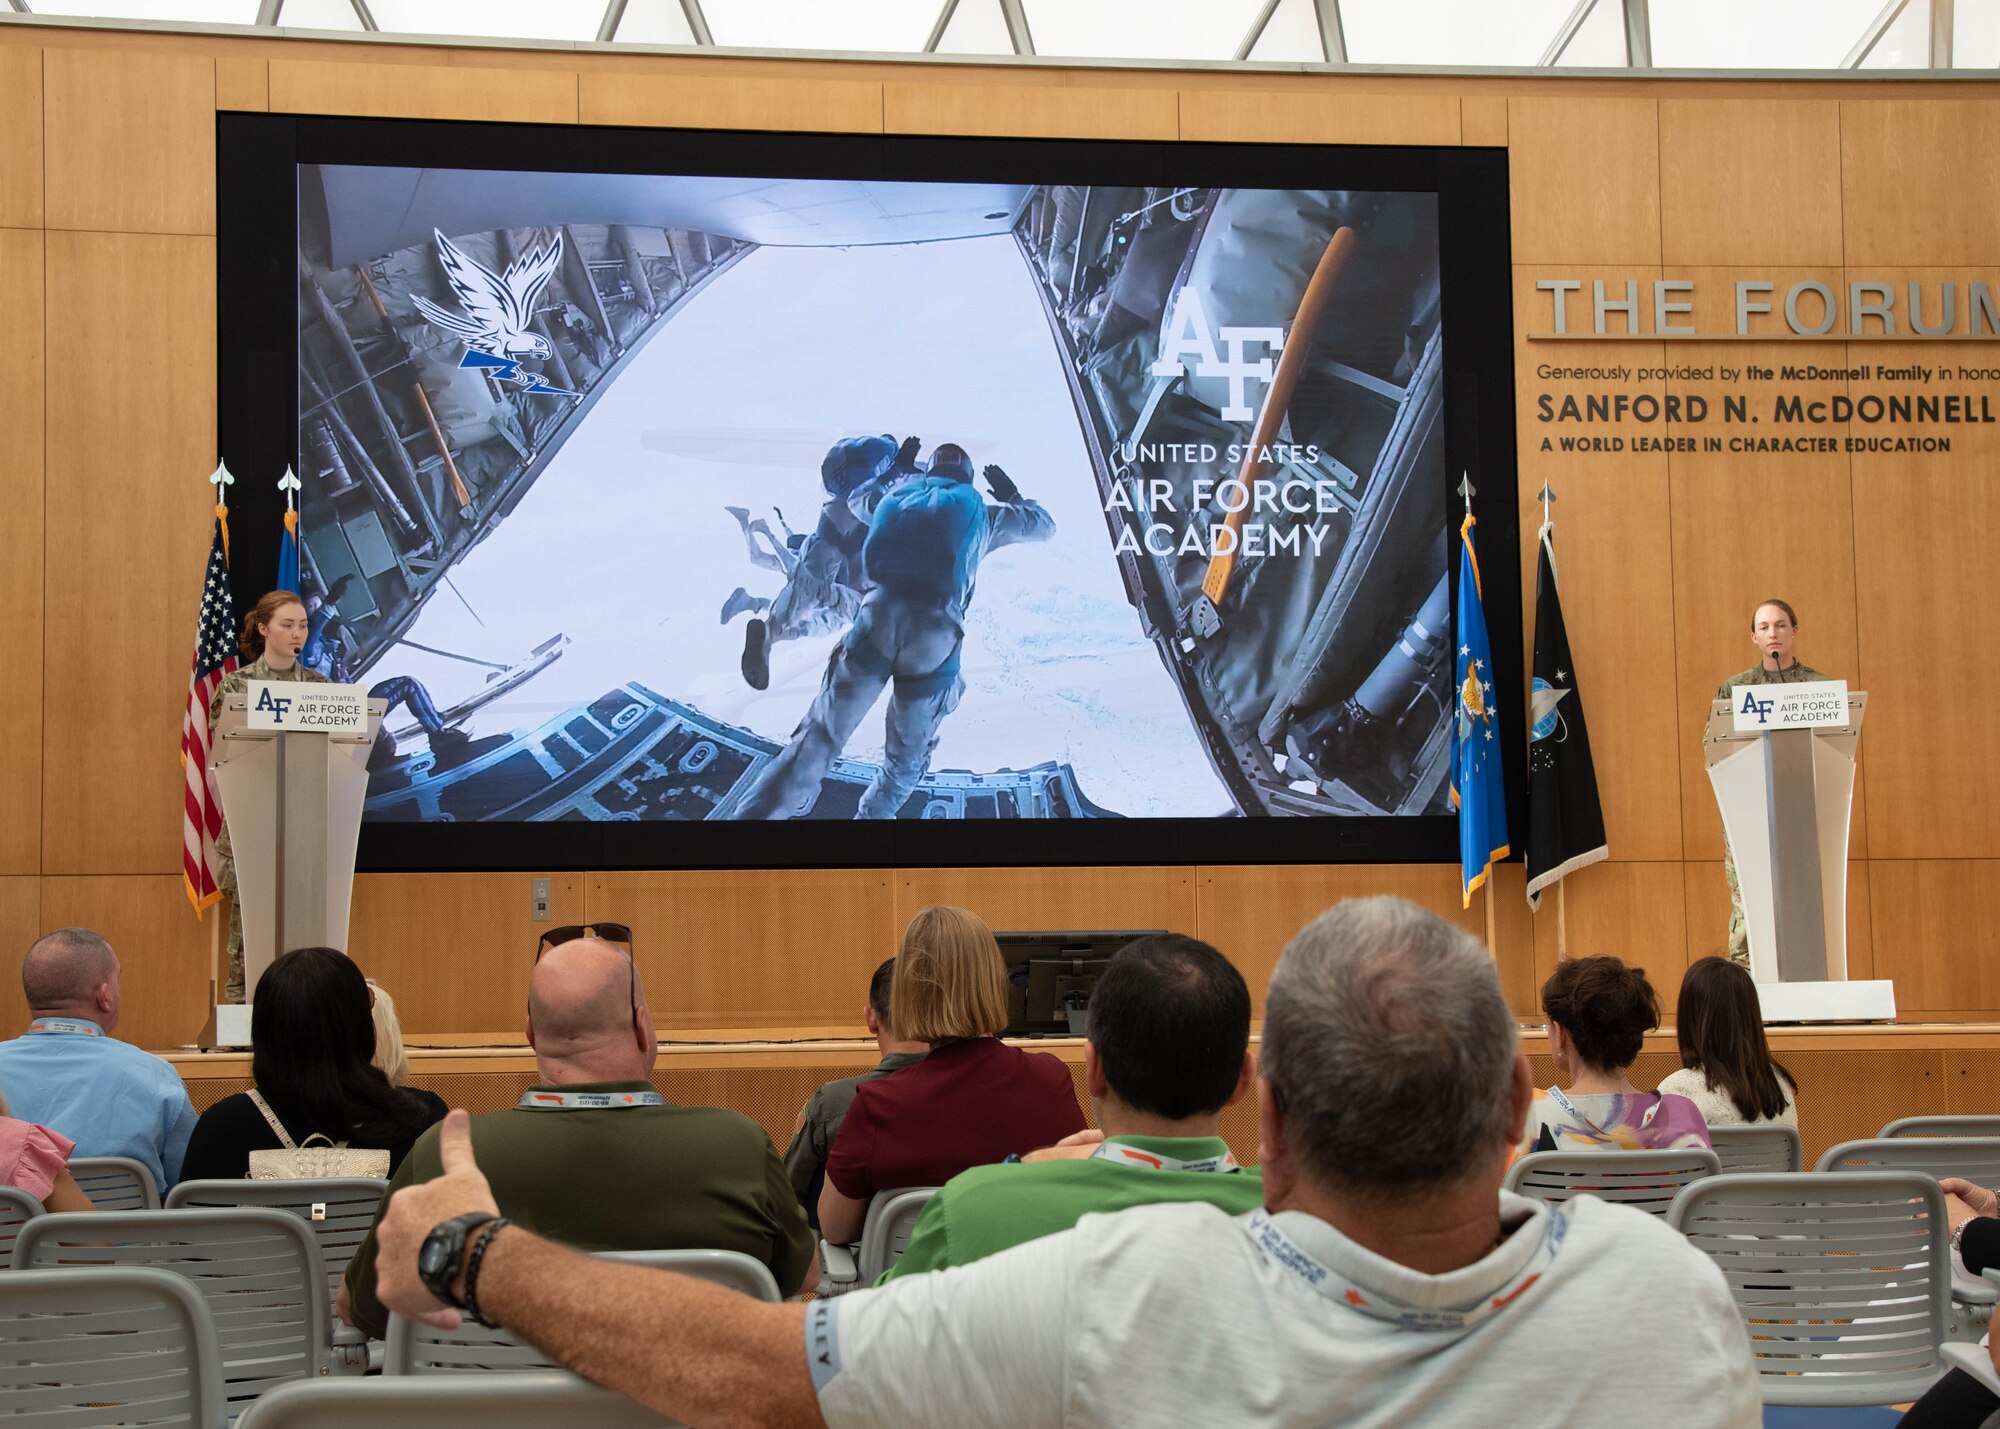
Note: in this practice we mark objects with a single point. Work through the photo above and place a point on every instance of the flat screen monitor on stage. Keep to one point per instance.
(965, 493)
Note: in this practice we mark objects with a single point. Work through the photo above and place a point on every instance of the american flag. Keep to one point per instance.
(214, 657)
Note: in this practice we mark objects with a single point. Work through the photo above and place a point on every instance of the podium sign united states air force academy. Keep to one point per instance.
(302, 708)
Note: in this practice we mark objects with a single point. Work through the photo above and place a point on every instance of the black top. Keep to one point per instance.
(230, 1130)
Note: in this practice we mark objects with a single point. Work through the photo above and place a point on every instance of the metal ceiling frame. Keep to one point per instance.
(1635, 18)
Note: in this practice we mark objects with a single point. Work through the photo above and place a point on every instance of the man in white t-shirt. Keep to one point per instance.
(1388, 1281)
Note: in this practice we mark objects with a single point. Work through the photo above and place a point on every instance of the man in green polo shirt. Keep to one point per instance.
(594, 1157)
(1168, 1049)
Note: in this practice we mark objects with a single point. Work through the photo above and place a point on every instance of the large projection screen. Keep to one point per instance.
(965, 495)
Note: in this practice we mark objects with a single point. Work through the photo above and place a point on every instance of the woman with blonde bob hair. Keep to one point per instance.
(973, 1101)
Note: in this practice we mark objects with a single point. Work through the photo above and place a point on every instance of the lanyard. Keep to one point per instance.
(1570, 1108)
(64, 1024)
(1304, 1266)
(1155, 1161)
(538, 1100)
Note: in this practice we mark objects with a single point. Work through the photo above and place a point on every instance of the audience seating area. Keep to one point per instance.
(218, 1305)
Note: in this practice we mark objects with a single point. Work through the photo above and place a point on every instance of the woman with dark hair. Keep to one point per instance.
(1726, 1066)
(274, 631)
(312, 1039)
(1599, 1013)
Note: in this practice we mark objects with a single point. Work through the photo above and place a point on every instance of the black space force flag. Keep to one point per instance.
(1565, 821)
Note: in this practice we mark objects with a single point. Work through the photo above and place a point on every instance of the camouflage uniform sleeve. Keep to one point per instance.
(232, 684)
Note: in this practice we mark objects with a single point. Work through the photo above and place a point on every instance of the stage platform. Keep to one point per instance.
(1852, 1080)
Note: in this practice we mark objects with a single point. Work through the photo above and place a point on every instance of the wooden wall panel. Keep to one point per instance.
(1483, 121)
(1634, 911)
(1937, 935)
(1936, 951)
(1251, 912)
(1028, 899)
(21, 613)
(1585, 179)
(1909, 193)
(742, 948)
(1923, 575)
(698, 101)
(454, 949)
(1273, 117)
(1772, 201)
(129, 445)
(20, 925)
(1844, 1096)
(242, 82)
(416, 91)
(163, 952)
(1609, 512)
(1052, 111)
(130, 141)
(1751, 525)
(20, 137)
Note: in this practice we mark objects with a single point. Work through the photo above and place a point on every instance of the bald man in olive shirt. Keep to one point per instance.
(594, 1157)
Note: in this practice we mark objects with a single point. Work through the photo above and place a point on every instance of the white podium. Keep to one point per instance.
(293, 800)
(1781, 761)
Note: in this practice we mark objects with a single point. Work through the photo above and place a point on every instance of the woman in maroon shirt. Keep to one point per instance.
(974, 1100)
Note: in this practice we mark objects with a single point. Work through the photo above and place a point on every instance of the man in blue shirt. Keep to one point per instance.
(69, 1074)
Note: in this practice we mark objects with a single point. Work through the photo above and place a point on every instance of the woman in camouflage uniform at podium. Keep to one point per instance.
(1773, 627)
(273, 634)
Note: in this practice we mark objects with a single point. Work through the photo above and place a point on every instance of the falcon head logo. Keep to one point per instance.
(496, 325)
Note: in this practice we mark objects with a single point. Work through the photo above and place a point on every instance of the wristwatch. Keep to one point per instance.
(440, 1257)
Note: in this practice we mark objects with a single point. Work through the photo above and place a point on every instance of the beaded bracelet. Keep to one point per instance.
(472, 1264)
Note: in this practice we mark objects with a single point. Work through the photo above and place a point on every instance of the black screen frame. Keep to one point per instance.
(258, 158)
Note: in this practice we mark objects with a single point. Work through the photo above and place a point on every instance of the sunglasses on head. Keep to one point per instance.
(570, 932)
(605, 932)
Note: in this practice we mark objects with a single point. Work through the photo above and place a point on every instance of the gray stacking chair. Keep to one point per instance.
(1645, 1180)
(85, 1347)
(339, 1211)
(414, 1349)
(115, 1183)
(513, 1401)
(1942, 1126)
(17, 1208)
(1976, 1158)
(885, 1235)
(1841, 1279)
(257, 1270)
(1757, 1148)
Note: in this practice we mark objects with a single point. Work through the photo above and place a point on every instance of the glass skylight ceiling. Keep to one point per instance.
(1770, 35)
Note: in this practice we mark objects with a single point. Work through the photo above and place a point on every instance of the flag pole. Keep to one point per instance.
(1562, 919)
(1489, 921)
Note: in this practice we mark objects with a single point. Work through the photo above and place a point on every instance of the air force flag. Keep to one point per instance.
(1565, 820)
(1477, 789)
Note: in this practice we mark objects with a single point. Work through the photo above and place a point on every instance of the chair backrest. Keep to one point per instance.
(412, 1348)
(1976, 1158)
(339, 1210)
(129, 1347)
(115, 1183)
(1645, 1180)
(257, 1270)
(1757, 1148)
(17, 1208)
(885, 1235)
(1942, 1126)
(1842, 1279)
(515, 1401)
